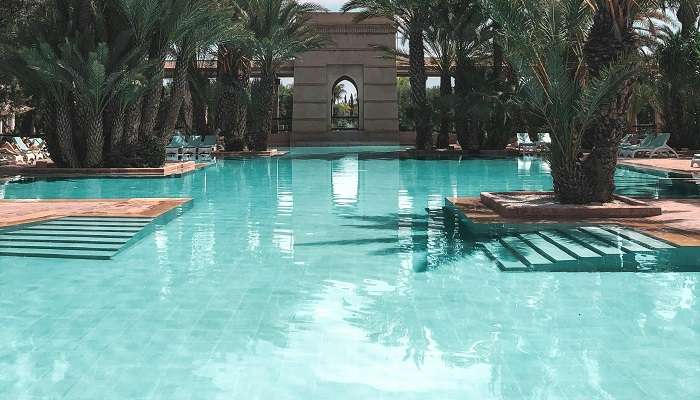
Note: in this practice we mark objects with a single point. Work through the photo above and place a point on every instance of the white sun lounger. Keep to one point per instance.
(695, 162)
(525, 144)
(655, 146)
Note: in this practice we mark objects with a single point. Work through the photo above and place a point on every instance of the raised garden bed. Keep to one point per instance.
(545, 205)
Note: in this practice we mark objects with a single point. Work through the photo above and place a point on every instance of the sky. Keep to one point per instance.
(331, 5)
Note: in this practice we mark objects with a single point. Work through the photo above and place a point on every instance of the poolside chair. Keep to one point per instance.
(627, 140)
(645, 142)
(22, 149)
(206, 148)
(695, 162)
(173, 151)
(189, 151)
(657, 146)
(9, 155)
(31, 154)
(39, 145)
(525, 144)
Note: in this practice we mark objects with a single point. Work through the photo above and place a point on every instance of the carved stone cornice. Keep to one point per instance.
(356, 28)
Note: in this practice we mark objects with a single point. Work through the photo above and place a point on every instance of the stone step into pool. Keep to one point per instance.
(95, 238)
(574, 249)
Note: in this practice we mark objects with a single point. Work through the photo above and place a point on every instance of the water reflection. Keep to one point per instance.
(293, 299)
(345, 180)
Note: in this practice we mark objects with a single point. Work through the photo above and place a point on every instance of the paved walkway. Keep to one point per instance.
(677, 165)
(16, 212)
(170, 168)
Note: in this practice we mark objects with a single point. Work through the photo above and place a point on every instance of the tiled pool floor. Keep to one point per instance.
(325, 277)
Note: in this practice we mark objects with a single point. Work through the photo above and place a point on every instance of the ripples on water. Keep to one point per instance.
(335, 274)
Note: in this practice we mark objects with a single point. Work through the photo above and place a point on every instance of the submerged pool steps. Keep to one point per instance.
(96, 238)
(568, 249)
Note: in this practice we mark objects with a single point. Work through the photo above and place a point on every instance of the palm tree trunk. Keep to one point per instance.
(233, 76)
(605, 45)
(461, 92)
(64, 134)
(94, 139)
(687, 14)
(267, 92)
(571, 185)
(117, 129)
(239, 127)
(177, 96)
(187, 111)
(500, 133)
(133, 122)
(443, 140)
(418, 77)
(151, 106)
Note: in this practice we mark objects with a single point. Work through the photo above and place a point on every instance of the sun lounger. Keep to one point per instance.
(173, 151)
(11, 159)
(656, 146)
(189, 151)
(206, 148)
(544, 140)
(627, 144)
(695, 162)
(525, 144)
(32, 155)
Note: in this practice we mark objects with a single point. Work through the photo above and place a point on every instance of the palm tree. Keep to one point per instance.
(544, 40)
(440, 45)
(687, 13)
(95, 68)
(411, 18)
(472, 32)
(617, 32)
(279, 31)
(201, 27)
(233, 79)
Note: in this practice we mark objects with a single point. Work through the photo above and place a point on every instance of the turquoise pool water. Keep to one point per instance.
(332, 274)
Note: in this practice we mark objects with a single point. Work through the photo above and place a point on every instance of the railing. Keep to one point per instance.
(345, 123)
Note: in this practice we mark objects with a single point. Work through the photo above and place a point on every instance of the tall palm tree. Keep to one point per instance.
(279, 31)
(411, 18)
(233, 79)
(203, 27)
(611, 38)
(440, 45)
(472, 33)
(544, 40)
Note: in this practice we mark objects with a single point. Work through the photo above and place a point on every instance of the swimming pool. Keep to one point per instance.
(333, 273)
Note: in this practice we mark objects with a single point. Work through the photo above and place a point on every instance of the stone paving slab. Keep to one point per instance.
(17, 212)
(169, 169)
(678, 224)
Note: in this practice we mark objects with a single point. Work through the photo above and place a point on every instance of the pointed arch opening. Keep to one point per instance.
(345, 105)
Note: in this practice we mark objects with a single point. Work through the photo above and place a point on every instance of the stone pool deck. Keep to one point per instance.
(169, 169)
(17, 212)
(679, 224)
(680, 167)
